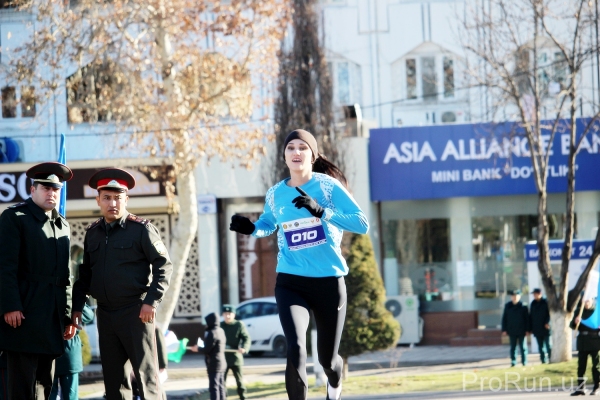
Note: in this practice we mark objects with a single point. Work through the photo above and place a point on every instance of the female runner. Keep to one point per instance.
(309, 210)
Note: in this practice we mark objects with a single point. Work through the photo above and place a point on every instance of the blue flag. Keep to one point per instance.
(62, 158)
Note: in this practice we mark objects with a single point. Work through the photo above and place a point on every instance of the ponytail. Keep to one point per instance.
(324, 166)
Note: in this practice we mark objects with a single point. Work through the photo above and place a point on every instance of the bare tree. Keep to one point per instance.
(176, 77)
(506, 40)
(305, 94)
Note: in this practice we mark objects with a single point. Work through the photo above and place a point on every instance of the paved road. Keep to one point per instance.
(190, 374)
(464, 395)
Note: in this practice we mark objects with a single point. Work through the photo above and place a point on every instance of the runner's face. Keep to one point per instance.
(298, 156)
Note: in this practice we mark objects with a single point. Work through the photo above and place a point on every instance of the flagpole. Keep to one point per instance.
(62, 158)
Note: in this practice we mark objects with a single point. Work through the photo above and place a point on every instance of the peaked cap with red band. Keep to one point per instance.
(112, 179)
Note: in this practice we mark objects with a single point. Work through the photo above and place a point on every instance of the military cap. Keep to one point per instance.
(228, 308)
(537, 290)
(515, 292)
(115, 179)
(50, 174)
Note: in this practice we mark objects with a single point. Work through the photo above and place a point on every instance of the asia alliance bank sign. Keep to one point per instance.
(472, 160)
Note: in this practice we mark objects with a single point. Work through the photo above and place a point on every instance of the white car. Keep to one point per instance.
(261, 318)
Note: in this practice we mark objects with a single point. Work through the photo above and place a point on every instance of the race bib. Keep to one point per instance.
(304, 232)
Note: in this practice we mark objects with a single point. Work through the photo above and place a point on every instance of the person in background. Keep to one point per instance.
(69, 365)
(214, 355)
(238, 342)
(539, 324)
(515, 324)
(588, 345)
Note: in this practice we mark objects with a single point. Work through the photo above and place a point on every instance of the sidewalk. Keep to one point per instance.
(189, 376)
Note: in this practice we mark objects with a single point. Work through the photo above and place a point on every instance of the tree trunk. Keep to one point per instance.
(562, 337)
(345, 369)
(181, 240)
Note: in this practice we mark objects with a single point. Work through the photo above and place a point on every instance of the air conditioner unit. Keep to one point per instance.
(405, 310)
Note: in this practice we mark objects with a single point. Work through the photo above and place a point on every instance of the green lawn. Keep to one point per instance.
(550, 376)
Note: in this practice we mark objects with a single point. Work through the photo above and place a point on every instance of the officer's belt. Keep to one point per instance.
(55, 280)
(590, 333)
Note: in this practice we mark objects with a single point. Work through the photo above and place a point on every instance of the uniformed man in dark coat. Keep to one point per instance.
(588, 345)
(539, 324)
(126, 268)
(214, 356)
(238, 344)
(34, 283)
(515, 324)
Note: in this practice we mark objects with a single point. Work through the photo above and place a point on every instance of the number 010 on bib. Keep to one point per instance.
(303, 233)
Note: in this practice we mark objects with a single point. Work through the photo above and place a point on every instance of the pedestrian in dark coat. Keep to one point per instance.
(34, 283)
(238, 342)
(588, 345)
(70, 364)
(515, 324)
(539, 324)
(214, 355)
(127, 269)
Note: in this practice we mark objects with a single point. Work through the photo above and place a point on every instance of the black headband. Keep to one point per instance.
(306, 137)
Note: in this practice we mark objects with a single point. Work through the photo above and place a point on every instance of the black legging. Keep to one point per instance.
(326, 298)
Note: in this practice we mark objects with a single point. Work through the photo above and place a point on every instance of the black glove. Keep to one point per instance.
(309, 203)
(241, 224)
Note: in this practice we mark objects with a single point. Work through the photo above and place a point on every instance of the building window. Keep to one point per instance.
(9, 102)
(551, 72)
(419, 253)
(429, 79)
(28, 101)
(346, 81)
(448, 77)
(5, 4)
(90, 91)
(411, 78)
(499, 249)
(343, 80)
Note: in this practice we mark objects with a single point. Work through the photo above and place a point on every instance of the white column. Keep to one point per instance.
(208, 262)
(461, 241)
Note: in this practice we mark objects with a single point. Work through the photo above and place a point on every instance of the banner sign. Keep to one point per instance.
(473, 160)
(582, 250)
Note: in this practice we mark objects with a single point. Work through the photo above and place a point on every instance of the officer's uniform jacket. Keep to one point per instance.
(34, 278)
(588, 339)
(127, 265)
(515, 319)
(237, 336)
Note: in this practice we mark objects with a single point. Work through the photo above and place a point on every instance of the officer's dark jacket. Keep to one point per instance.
(515, 319)
(214, 345)
(587, 339)
(123, 267)
(236, 336)
(539, 316)
(34, 278)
